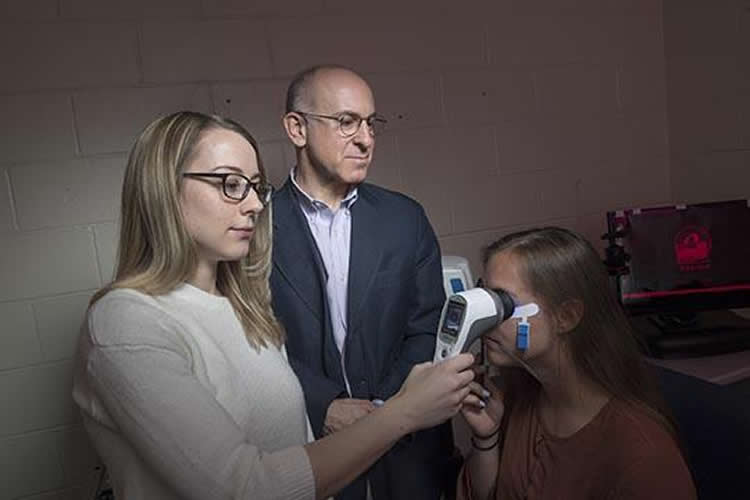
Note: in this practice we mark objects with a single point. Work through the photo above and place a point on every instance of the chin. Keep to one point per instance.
(498, 356)
(500, 359)
(357, 174)
(236, 253)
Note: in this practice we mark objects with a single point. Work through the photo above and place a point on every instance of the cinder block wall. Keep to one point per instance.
(707, 46)
(503, 114)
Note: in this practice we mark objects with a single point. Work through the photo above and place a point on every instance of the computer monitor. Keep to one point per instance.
(684, 258)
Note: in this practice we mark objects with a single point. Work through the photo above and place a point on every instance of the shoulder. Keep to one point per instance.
(637, 426)
(284, 190)
(126, 318)
(387, 198)
(401, 211)
(122, 303)
(283, 195)
(647, 456)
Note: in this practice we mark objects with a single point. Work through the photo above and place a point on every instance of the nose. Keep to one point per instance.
(251, 204)
(364, 137)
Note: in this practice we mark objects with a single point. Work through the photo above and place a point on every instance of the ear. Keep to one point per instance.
(296, 128)
(569, 315)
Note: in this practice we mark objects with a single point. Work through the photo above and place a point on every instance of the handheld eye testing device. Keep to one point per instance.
(469, 314)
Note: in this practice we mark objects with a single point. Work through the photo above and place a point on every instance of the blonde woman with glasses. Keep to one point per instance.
(182, 376)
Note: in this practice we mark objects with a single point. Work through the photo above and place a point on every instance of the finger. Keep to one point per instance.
(419, 367)
(495, 392)
(470, 413)
(474, 401)
(465, 377)
(463, 393)
(459, 363)
(479, 390)
(480, 369)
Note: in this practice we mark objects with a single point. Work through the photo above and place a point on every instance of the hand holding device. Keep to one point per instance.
(433, 392)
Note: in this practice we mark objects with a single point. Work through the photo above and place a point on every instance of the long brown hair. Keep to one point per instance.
(155, 252)
(559, 265)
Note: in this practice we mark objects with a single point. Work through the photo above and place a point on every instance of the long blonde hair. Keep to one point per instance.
(155, 252)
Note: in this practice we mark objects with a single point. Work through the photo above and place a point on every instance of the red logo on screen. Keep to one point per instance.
(692, 248)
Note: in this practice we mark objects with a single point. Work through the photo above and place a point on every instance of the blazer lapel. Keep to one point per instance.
(364, 256)
(295, 252)
(297, 259)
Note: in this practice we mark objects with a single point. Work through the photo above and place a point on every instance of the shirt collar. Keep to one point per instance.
(310, 203)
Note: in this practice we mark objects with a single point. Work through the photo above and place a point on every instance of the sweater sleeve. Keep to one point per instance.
(150, 394)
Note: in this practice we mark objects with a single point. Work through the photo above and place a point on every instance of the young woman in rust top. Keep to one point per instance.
(576, 415)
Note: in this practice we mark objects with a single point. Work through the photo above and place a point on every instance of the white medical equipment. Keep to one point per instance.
(466, 316)
(456, 274)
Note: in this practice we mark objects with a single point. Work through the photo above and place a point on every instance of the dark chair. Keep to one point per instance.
(714, 425)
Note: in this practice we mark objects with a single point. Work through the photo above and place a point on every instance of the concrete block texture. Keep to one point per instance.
(193, 51)
(6, 211)
(134, 9)
(109, 120)
(258, 106)
(19, 344)
(58, 322)
(38, 398)
(36, 126)
(43, 263)
(66, 193)
(21, 10)
(68, 55)
(30, 464)
(376, 43)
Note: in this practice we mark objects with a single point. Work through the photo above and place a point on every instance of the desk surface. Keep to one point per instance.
(721, 369)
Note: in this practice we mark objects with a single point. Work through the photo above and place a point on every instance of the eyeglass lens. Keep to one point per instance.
(350, 124)
(238, 187)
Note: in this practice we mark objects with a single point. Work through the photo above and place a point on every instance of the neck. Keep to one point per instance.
(204, 278)
(568, 400)
(326, 190)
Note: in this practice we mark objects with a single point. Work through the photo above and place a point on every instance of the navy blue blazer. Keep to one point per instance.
(394, 298)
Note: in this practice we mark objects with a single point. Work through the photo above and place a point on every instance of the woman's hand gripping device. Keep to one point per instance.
(466, 316)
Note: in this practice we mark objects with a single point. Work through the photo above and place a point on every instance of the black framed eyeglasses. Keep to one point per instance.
(349, 123)
(237, 186)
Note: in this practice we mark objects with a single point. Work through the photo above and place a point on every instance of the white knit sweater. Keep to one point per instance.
(178, 405)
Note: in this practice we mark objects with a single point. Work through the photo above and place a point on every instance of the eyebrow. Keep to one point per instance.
(349, 112)
(236, 170)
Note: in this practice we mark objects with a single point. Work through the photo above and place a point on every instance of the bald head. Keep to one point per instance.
(323, 103)
(310, 85)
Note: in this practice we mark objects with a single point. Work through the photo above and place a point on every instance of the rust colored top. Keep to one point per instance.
(621, 454)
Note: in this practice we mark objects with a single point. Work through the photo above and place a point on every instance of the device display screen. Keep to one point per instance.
(453, 316)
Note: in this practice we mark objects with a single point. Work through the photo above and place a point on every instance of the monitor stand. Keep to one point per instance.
(693, 334)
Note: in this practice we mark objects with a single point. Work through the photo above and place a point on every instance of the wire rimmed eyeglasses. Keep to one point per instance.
(350, 123)
(237, 186)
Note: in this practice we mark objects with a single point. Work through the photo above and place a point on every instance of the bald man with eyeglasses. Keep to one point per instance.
(356, 281)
